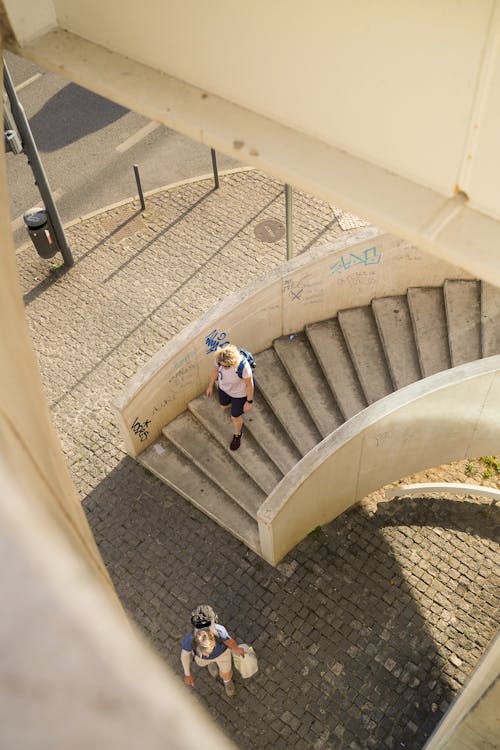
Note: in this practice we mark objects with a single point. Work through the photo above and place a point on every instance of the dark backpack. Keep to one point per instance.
(247, 357)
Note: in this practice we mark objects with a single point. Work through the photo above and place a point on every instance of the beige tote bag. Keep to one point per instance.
(246, 665)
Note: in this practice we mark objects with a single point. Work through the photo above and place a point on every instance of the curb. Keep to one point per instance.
(155, 191)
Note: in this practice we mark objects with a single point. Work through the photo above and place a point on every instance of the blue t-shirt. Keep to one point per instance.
(217, 650)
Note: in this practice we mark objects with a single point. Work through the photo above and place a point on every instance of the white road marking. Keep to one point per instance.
(19, 222)
(138, 136)
(28, 81)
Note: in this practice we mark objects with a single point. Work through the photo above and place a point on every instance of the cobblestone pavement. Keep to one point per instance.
(370, 627)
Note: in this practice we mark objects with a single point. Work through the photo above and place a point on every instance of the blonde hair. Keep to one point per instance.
(228, 356)
(203, 642)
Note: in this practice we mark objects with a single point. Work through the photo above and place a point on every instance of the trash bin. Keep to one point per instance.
(41, 232)
(12, 142)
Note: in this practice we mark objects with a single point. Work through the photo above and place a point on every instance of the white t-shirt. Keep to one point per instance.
(229, 381)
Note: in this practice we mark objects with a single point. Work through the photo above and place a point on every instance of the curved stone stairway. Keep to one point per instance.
(309, 383)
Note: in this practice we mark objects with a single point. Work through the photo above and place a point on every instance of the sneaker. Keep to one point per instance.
(213, 670)
(230, 689)
(235, 442)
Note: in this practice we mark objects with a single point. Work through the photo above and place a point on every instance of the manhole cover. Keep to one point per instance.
(270, 230)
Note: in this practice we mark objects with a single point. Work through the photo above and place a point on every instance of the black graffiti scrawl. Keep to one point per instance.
(141, 429)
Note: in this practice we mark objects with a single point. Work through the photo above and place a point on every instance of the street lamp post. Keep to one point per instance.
(31, 151)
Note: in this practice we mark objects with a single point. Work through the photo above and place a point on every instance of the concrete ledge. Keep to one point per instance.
(442, 220)
(442, 488)
(446, 417)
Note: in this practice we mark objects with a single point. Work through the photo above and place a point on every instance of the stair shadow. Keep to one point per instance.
(482, 520)
(346, 654)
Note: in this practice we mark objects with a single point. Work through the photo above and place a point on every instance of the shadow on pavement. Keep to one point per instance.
(482, 520)
(178, 220)
(77, 112)
(54, 275)
(343, 634)
(111, 350)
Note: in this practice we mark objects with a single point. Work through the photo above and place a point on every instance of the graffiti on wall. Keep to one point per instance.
(294, 289)
(160, 406)
(141, 429)
(303, 291)
(182, 361)
(215, 339)
(368, 257)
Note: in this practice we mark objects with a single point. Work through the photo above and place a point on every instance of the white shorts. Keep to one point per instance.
(223, 661)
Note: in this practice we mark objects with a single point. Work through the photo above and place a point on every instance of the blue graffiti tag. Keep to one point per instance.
(214, 340)
(369, 257)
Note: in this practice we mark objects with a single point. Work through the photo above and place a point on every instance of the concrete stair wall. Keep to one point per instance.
(308, 384)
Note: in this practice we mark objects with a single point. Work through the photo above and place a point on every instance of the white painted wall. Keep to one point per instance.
(28, 21)
(387, 81)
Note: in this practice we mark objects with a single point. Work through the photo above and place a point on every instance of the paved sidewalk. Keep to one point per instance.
(369, 628)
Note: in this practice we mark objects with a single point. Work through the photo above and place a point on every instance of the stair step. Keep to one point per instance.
(363, 342)
(330, 349)
(283, 399)
(269, 452)
(426, 305)
(396, 333)
(250, 456)
(198, 446)
(308, 385)
(270, 434)
(463, 313)
(298, 359)
(490, 319)
(169, 465)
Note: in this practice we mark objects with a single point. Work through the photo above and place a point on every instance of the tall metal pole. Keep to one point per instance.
(36, 165)
(139, 186)
(289, 221)
(214, 167)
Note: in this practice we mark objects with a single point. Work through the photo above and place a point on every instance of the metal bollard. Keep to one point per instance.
(139, 186)
(215, 169)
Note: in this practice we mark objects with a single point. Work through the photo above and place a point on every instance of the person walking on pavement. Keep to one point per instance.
(235, 390)
(210, 644)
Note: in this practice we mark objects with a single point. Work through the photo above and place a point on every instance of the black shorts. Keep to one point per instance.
(237, 404)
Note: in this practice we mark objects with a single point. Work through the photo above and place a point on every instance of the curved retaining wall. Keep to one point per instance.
(314, 286)
(442, 488)
(447, 417)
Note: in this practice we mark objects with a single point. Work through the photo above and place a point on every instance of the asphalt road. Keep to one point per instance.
(88, 146)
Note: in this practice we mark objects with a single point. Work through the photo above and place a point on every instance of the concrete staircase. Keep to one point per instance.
(308, 384)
